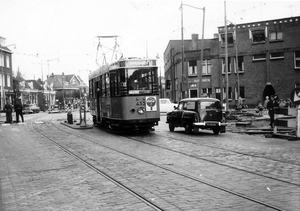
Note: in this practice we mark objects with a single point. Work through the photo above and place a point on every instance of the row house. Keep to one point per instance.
(263, 59)
(68, 88)
(33, 92)
(6, 79)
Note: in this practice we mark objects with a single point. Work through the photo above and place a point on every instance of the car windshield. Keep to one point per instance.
(165, 101)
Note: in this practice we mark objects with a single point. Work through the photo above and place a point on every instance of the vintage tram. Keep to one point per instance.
(124, 95)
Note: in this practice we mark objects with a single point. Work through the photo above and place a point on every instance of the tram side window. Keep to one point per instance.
(103, 92)
(113, 84)
(107, 85)
(91, 83)
(122, 86)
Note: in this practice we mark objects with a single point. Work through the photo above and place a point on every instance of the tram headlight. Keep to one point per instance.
(141, 110)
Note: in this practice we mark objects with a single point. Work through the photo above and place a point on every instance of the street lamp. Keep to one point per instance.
(63, 95)
(48, 64)
(2, 75)
(49, 60)
(202, 43)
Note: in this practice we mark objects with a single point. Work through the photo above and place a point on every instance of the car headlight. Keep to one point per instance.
(141, 110)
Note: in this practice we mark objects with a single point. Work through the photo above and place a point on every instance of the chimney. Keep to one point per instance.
(194, 41)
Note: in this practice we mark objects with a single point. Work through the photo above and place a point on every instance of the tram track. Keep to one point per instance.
(219, 163)
(177, 172)
(95, 169)
(231, 150)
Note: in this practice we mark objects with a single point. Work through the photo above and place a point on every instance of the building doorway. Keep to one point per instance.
(268, 91)
(193, 93)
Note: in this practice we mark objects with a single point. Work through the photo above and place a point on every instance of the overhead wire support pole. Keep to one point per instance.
(182, 53)
(226, 60)
(202, 43)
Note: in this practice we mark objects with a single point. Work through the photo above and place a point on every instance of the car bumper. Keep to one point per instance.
(209, 124)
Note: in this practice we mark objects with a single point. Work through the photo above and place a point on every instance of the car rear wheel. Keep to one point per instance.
(188, 128)
(216, 131)
(171, 127)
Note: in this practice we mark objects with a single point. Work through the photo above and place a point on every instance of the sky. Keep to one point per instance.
(55, 36)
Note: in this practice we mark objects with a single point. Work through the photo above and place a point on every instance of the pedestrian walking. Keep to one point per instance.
(271, 106)
(240, 102)
(19, 110)
(8, 110)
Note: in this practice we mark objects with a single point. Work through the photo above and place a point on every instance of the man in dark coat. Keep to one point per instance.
(271, 106)
(19, 110)
(8, 111)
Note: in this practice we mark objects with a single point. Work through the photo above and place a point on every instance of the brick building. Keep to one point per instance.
(268, 55)
(6, 79)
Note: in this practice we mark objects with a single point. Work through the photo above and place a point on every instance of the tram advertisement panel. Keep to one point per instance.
(151, 103)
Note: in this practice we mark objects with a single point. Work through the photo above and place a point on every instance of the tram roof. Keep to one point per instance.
(132, 62)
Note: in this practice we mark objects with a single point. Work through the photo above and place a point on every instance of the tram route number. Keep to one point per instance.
(140, 103)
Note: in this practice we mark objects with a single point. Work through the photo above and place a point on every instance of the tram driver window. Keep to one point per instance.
(139, 81)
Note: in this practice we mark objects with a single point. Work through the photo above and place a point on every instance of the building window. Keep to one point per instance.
(229, 93)
(240, 64)
(297, 60)
(259, 57)
(276, 36)
(277, 55)
(2, 60)
(168, 84)
(8, 80)
(193, 68)
(206, 67)
(230, 39)
(223, 66)
(7, 61)
(206, 92)
(258, 35)
(242, 92)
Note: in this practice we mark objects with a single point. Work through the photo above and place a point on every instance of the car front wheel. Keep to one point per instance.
(171, 127)
(188, 128)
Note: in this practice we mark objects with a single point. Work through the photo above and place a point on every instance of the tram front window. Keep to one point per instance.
(140, 81)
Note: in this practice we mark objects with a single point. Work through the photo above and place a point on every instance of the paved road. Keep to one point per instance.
(38, 175)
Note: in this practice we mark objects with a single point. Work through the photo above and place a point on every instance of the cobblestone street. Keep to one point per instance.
(48, 166)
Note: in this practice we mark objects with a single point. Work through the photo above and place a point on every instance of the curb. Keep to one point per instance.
(76, 126)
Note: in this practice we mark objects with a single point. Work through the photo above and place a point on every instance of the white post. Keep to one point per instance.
(298, 122)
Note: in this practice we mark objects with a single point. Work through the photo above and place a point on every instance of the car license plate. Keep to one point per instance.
(211, 124)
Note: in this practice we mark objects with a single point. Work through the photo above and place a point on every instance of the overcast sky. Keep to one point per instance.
(63, 33)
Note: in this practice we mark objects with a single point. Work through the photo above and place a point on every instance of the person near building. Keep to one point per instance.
(271, 105)
(19, 110)
(266, 103)
(240, 102)
(8, 111)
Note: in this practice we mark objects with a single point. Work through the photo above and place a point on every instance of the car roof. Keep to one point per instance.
(200, 99)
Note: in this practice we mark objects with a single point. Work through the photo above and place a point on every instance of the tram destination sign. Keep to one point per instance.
(137, 63)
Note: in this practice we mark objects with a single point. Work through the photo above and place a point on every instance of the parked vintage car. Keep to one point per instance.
(54, 109)
(198, 113)
(34, 108)
(27, 109)
(165, 105)
(30, 109)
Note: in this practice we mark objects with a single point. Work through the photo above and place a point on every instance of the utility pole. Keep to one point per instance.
(226, 60)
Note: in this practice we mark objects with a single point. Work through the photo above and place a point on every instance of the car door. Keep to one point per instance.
(176, 115)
